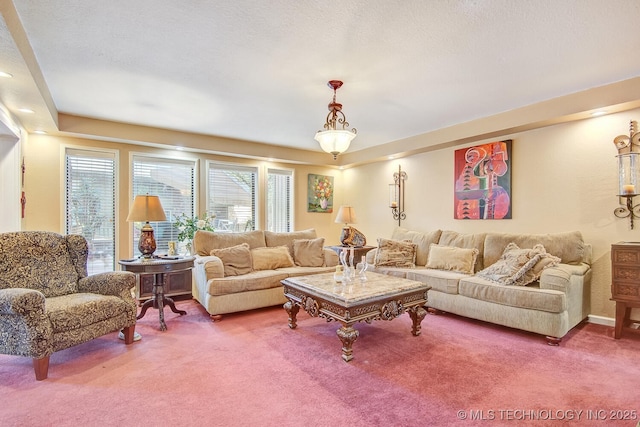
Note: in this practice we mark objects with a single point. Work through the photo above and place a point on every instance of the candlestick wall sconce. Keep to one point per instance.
(396, 195)
(628, 173)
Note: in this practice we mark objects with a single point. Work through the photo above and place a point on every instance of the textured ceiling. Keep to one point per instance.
(257, 70)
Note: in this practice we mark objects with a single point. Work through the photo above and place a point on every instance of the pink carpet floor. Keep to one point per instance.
(250, 369)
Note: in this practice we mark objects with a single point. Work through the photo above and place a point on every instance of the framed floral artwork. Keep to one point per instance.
(320, 193)
(483, 181)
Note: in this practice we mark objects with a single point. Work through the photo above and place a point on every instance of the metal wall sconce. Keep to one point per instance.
(396, 195)
(628, 173)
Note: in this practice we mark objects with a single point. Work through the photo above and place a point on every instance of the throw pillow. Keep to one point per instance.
(546, 260)
(309, 252)
(395, 253)
(452, 258)
(516, 266)
(236, 259)
(271, 258)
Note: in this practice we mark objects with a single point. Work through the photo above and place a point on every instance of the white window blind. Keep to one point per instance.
(90, 194)
(279, 200)
(232, 196)
(173, 181)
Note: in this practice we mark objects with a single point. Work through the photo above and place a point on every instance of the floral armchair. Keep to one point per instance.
(49, 303)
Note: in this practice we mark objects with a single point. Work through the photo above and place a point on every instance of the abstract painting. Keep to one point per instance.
(483, 181)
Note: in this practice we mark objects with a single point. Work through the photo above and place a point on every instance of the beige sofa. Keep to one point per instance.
(482, 276)
(243, 271)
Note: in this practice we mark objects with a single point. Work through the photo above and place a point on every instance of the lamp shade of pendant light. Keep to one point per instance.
(337, 136)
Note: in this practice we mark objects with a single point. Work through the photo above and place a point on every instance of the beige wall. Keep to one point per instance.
(564, 178)
(44, 186)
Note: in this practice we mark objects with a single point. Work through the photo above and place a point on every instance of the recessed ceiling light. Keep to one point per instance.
(26, 110)
(598, 113)
(40, 132)
(7, 75)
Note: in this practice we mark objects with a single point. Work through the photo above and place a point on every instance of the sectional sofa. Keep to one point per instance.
(533, 282)
(243, 271)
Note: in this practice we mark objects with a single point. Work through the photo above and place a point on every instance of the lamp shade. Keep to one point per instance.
(146, 208)
(335, 141)
(346, 215)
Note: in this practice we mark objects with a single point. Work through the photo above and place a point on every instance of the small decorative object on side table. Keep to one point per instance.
(625, 284)
(160, 269)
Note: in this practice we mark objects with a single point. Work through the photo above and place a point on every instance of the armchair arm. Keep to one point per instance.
(117, 283)
(21, 301)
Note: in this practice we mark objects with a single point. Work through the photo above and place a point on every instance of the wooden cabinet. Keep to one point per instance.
(175, 274)
(625, 283)
(176, 283)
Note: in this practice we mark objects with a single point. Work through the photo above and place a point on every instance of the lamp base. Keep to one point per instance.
(147, 243)
(352, 237)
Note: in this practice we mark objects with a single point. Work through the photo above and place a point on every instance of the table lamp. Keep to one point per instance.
(349, 236)
(146, 208)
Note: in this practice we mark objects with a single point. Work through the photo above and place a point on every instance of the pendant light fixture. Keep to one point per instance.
(335, 140)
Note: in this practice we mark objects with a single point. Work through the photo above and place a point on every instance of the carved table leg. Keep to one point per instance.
(417, 314)
(171, 303)
(145, 307)
(292, 308)
(160, 303)
(348, 335)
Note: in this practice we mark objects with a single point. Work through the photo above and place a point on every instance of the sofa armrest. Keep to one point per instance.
(331, 258)
(371, 256)
(208, 267)
(559, 277)
(116, 283)
(21, 301)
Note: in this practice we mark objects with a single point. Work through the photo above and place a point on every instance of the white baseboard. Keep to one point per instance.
(601, 320)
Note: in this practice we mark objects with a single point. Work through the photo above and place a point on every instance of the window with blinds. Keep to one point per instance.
(231, 196)
(90, 204)
(279, 200)
(173, 181)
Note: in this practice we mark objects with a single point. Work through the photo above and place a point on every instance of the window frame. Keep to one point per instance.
(157, 158)
(214, 164)
(69, 150)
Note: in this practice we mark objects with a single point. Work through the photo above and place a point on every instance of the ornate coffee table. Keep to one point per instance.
(380, 297)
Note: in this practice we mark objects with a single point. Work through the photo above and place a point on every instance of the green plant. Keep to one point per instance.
(188, 226)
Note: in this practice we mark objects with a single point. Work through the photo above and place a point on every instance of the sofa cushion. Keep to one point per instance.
(205, 241)
(423, 240)
(529, 297)
(395, 253)
(569, 247)
(518, 266)
(476, 240)
(439, 280)
(236, 259)
(308, 252)
(271, 258)
(273, 238)
(451, 258)
(256, 280)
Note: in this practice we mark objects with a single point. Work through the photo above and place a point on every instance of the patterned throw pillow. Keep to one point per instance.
(452, 258)
(519, 266)
(236, 259)
(395, 253)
